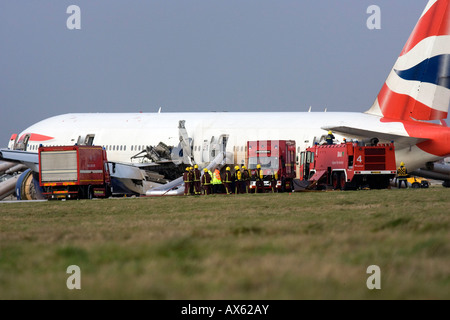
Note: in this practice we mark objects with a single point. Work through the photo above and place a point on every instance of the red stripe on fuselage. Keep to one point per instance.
(36, 137)
(436, 22)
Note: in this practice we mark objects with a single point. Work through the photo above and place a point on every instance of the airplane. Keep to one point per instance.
(148, 150)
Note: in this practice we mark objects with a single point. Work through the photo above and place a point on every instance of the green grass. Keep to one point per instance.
(310, 245)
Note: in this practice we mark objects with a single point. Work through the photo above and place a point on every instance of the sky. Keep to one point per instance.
(194, 56)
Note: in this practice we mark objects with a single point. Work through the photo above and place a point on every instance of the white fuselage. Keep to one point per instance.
(126, 134)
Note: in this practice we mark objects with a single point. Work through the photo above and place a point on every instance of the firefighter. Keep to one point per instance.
(197, 184)
(227, 181)
(273, 180)
(258, 177)
(402, 175)
(191, 180)
(217, 181)
(330, 137)
(211, 175)
(246, 179)
(237, 180)
(187, 182)
(206, 182)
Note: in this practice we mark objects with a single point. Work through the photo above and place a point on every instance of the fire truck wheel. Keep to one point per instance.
(90, 193)
(343, 182)
(336, 180)
(108, 192)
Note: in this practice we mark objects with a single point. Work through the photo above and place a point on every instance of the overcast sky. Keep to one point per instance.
(195, 55)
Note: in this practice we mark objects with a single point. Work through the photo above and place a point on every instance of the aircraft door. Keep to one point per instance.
(213, 148)
(305, 160)
(223, 140)
(205, 151)
(22, 144)
(217, 145)
(87, 140)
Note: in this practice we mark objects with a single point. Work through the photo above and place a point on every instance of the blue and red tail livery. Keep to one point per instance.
(418, 87)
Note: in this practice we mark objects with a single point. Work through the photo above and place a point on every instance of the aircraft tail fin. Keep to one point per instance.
(418, 87)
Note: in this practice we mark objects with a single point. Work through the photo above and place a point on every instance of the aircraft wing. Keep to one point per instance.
(363, 133)
(30, 159)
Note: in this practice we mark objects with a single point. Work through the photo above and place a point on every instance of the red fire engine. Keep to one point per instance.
(74, 172)
(349, 165)
(275, 157)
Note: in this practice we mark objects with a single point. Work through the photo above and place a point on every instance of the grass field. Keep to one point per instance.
(311, 245)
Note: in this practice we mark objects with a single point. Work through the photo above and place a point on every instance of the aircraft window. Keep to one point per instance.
(242, 148)
(131, 148)
(114, 148)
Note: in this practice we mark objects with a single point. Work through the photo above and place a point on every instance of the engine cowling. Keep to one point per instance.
(27, 186)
